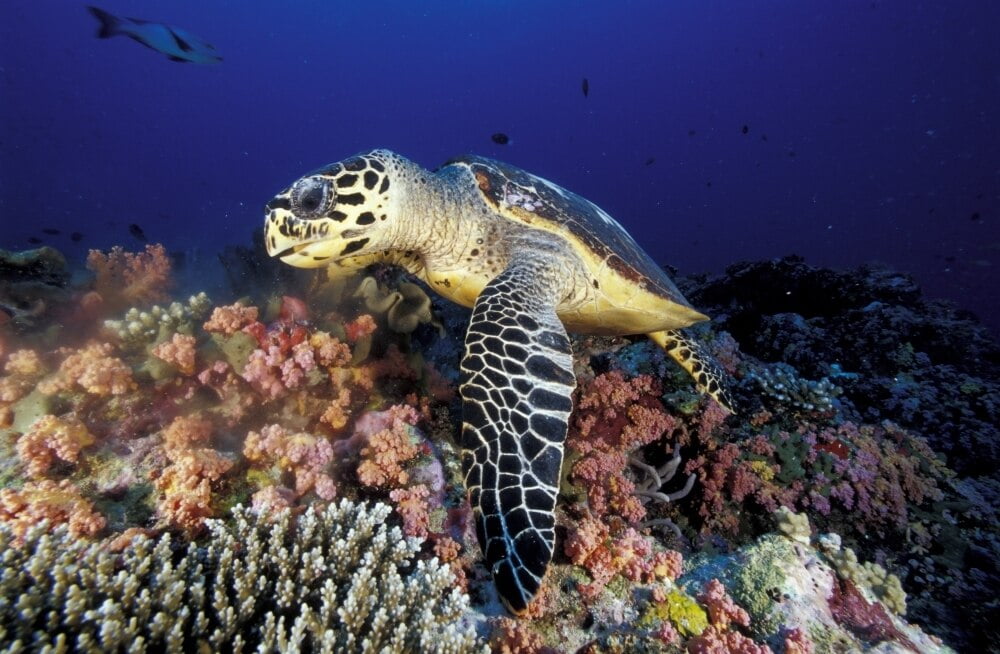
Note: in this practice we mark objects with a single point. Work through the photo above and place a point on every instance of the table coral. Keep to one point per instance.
(56, 503)
(50, 438)
(127, 279)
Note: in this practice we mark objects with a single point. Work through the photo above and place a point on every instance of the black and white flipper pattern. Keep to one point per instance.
(517, 385)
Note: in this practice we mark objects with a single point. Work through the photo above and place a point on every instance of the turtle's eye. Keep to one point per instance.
(311, 197)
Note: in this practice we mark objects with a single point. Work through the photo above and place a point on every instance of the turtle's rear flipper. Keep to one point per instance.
(708, 374)
(517, 383)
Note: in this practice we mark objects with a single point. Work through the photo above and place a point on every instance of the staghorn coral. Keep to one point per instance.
(92, 369)
(51, 504)
(50, 438)
(334, 580)
(131, 278)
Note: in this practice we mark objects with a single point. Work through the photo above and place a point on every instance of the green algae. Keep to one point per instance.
(758, 580)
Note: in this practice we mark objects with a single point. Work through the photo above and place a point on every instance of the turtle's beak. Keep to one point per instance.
(297, 242)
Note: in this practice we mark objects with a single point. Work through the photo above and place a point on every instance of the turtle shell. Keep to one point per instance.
(535, 201)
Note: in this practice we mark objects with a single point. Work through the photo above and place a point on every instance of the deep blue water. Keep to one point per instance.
(881, 119)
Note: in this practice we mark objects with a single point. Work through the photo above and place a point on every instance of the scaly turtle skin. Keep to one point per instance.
(533, 260)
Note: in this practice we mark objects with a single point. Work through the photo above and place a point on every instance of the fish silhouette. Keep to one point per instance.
(586, 87)
(175, 43)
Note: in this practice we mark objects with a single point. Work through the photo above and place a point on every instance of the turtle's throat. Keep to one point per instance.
(434, 218)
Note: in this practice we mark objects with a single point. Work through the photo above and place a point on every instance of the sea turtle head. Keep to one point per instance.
(339, 211)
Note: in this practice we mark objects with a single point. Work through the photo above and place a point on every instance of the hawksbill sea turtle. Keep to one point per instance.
(533, 261)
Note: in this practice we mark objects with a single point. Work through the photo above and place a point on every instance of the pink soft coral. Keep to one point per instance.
(186, 484)
(411, 504)
(46, 500)
(714, 641)
(50, 438)
(630, 554)
(722, 611)
(92, 369)
(179, 352)
(307, 456)
(388, 450)
(273, 372)
(230, 319)
(127, 279)
(615, 416)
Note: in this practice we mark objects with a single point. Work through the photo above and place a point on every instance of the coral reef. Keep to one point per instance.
(125, 279)
(809, 521)
(337, 579)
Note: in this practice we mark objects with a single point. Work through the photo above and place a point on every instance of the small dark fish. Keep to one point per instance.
(763, 137)
(745, 129)
(791, 153)
(650, 161)
(137, 232)
(500, 138)
(691, 132)
(708, 184)
(177, 44)
(975, 217)
(34, 240)
(51, 231)
(586, 87)
(76, 237)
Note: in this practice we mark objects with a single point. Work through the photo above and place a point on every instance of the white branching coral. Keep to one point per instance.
(332, 580)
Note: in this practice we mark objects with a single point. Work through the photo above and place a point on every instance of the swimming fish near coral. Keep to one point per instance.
(177, 44)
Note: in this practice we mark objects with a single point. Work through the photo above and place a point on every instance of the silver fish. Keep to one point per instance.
(177, 44)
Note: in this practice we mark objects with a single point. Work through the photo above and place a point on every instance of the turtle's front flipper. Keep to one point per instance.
(517, 383)
(702, 366)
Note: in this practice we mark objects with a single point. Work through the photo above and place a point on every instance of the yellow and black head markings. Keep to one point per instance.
(325, 216)
(534, 261)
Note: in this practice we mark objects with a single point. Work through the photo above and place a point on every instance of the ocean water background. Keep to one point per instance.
(872, 129)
